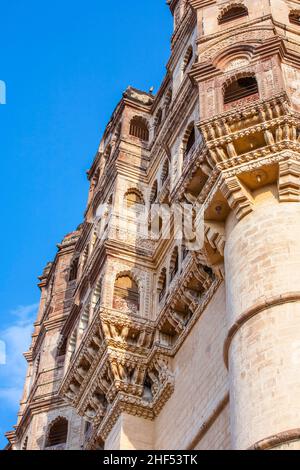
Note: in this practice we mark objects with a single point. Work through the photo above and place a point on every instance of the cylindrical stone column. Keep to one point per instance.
(262, 262)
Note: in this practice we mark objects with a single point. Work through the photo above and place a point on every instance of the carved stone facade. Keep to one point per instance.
(147, 341)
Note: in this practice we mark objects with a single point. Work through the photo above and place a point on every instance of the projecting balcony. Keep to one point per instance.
(195, 172)
(117, 364)
(253, 131)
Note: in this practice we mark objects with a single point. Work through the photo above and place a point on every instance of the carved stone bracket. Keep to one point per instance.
(238, 197)
(289, 181)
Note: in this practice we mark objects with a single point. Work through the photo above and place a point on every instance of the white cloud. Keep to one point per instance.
(2, 353)
(16, 339)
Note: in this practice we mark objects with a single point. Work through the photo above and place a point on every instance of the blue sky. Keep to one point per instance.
(65, 65)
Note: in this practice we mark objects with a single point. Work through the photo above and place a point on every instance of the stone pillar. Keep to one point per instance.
(131, 433)
(262, 262)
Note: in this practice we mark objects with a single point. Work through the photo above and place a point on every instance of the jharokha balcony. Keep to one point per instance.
(123, 362)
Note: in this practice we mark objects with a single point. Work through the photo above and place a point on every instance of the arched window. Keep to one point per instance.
(189, 140)
(294, 17)
(74, 270)
(241, 88)
(162, 284)
(174, 265)
(139, 128)
(126, 294)
(134, 199)
(233, 12)
(154, 193)
(58, 433)
(188, 58)
(165, 171)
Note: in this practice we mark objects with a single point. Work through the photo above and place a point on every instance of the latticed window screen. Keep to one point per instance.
(241, 88)
(139, 128)
(233, 14)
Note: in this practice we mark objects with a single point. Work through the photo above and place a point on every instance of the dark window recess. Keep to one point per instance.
(188, 59)
(175, 268)
(233, 14)
(184, 252)
(294, 18)
(74, 270)
(158, 120)
(165, 172)
(240, 89)
(162, 292)
(191, 141)
(139, 128)
(58, 433)
(162, 285)
(154, 193)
